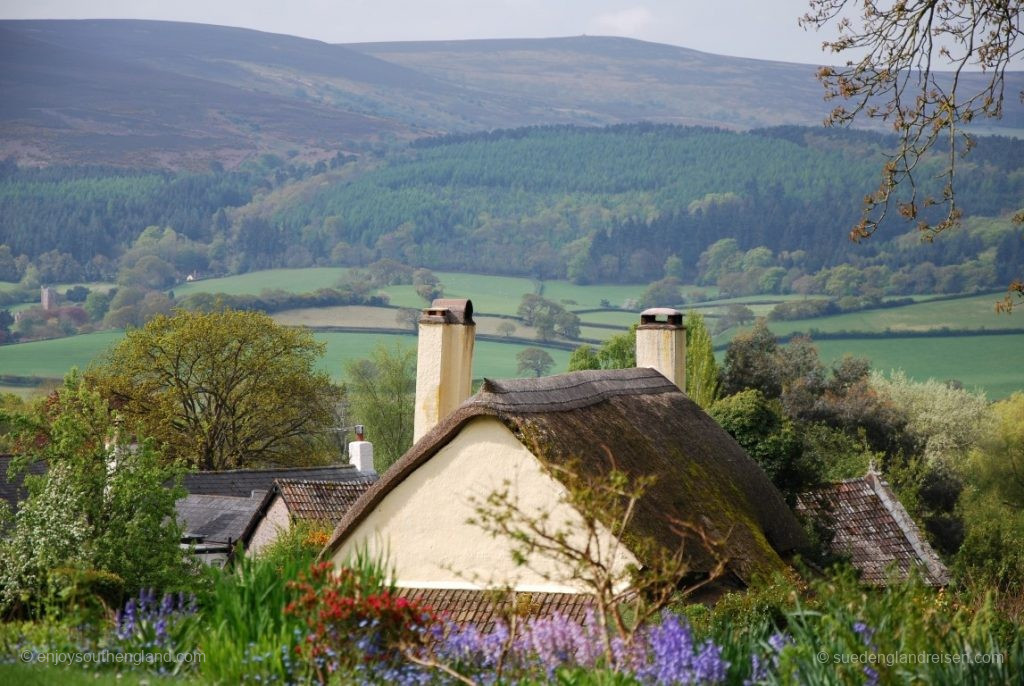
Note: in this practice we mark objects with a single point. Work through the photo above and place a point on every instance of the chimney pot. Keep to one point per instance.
(444, 361)
(360, 456)
(661, 343)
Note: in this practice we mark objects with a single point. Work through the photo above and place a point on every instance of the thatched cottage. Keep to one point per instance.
(516, 433)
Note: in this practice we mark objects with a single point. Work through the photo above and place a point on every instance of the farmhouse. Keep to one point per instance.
(521, 436)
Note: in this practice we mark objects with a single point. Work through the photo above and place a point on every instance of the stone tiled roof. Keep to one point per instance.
(242, 482)
(326, 501)
(220, 518)
(873, 528)
(484, 608)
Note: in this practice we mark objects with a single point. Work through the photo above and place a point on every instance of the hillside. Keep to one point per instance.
(176, 95)
(596, 205)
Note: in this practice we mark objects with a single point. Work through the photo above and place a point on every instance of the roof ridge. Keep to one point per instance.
(257, 470)
(936, 569)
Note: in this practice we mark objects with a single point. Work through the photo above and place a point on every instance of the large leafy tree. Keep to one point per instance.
(533, 360)
(222, 389)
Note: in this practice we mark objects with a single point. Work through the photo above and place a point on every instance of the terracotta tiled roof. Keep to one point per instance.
(874, 529)
(484, 608)
(321, 500)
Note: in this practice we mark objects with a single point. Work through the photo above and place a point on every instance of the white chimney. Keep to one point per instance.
(661, 344)
(360, 452)
(444, 362)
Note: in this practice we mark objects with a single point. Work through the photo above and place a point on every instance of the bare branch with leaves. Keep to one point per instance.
(896, 80)
(598, 552)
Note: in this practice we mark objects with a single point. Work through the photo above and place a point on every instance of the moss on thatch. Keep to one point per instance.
(635, 421)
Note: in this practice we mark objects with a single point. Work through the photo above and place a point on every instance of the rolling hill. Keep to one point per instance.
(177, 95)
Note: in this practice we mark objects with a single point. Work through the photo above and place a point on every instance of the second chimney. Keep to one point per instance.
(661, 344)
(444, 362)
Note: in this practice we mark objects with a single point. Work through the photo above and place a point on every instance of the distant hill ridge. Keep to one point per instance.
(178, 95)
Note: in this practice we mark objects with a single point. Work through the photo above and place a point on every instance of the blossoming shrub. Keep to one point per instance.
(356, 626)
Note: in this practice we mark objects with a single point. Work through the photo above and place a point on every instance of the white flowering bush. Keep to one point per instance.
(101, 513)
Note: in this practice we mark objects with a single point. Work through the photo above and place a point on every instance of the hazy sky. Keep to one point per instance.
(765, 29)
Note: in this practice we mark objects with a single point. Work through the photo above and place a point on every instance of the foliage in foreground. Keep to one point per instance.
(99, 524)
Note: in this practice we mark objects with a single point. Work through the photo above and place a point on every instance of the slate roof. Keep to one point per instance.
(643, 423)
(874, 529)
(325, 501)
(13, 491)
(242, 482)
(483, 609)
(221, 518)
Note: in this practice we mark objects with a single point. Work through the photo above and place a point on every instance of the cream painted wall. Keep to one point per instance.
(422, 522)
(274, 523)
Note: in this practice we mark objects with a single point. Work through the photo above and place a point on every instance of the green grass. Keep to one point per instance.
(490, 359)
(55, 357)
(591, 296)
(623, 318)
(290, 280)
(987, 362)
(599, 333)
(975, 312)
(47, 675)
(497, 294)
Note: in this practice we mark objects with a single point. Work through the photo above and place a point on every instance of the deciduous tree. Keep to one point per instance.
(102, 509)
(701, 368)
(534, 360)
(222, 389)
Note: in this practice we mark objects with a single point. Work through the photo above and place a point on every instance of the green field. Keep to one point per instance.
(586, 297)
(52, 359)
(55, 357)
(623, 318)
(290, 280)
(975, 312)
(498, 294)
(986, 362)
(494, 360)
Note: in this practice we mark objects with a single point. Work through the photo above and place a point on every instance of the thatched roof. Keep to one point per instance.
(872, 527)
(648, 427)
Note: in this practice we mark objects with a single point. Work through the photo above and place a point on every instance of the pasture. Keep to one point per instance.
(497, 294)
(974, 312)
(54, 358)
(985, 362)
